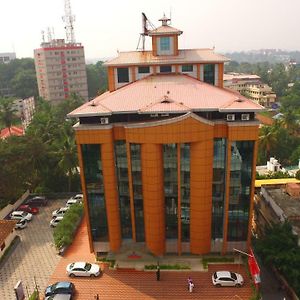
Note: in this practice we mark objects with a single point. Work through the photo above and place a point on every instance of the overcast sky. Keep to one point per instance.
(104, 27)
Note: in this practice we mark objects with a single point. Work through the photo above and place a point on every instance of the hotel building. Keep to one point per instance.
(167, 155)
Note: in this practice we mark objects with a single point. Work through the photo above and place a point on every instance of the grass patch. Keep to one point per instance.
(216, 259)
(168, 267)
(34, 296)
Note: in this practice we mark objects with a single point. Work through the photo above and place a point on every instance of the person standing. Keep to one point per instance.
(158, 273)
(191, 286)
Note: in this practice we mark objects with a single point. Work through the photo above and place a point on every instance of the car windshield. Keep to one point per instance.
(233, 276)
(215, 275)
(24, 214)
(88, 266)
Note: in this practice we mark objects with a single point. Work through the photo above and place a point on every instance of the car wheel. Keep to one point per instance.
(92, 275)
(218, 285)
(72, 275)
(238, 285)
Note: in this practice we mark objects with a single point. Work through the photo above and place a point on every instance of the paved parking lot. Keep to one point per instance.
(34, 257)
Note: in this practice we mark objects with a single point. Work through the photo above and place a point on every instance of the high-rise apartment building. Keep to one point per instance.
(167, 155)
(61, 71)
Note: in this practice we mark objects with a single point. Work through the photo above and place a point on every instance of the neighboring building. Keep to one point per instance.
(61, 71)
(7, 234)
(14, 130)
(5, 58)
(278, 203)
(167, 156)
(25, 109)
(252, 87)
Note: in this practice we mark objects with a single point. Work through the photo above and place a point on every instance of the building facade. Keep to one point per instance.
(167, 156)
(5, 58)
(61, 71)
(252, 87)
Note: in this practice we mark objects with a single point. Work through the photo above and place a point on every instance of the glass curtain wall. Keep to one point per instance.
(218, 188)
(92, 169)
(185, 191)
(240, 187)
(171, 189)
(136, 172)
(123, 188)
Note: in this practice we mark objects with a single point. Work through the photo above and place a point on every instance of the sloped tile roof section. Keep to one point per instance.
(14, 130)
(186, 56)
(165, 29)
(166, 93)
(6, 227)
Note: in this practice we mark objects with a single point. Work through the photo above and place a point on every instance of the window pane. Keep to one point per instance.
(165, 69)
(209, 73)
(143, 70)
(123, 75)
(165, 43)
(187, 68)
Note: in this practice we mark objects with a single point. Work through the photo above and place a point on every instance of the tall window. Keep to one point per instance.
(136, 172)
(218, 188)
(123, 75)
(123, 188)
(164, 43)
(185, 191)
(240, 186)
(92, 168)
(165, 69)
(171, 190)
(209, 74)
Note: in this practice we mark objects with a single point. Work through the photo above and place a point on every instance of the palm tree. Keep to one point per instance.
(267, 139)
(290, 121)
(7, 112)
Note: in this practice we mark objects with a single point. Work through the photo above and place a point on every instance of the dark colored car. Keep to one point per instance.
(37, 201)
(61, 287)
(29, 209)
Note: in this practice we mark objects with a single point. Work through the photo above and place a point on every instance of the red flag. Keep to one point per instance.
(254, 268)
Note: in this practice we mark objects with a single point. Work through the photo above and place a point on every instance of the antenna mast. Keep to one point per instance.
(146, 25)
(69, 20)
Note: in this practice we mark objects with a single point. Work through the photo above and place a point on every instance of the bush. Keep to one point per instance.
(167, 267)
(215, 259)
(34, 296)
(64, 232)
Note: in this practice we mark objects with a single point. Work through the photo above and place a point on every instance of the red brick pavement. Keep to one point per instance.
(131, 284)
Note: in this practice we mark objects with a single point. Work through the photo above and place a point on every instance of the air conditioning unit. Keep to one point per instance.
(230, 117)
(104, 120)
(245, 117)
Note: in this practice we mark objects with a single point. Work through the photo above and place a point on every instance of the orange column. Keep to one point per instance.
(85, 202)
(153, 195)
(221, 71)
(201, 196)
(175, 44)
(198, 71)
(154, 45)
(111, 79)
(111, 195)
(132, 70)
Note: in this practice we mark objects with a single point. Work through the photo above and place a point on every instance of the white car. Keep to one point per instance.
(59, 297)
(21, 224)
(75, 199)
(60, 212)
(19, 215)
(226, 278)
(54, 222)
(83, 269)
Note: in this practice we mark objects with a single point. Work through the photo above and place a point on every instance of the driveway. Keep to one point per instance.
(132, 284)
(34, 258)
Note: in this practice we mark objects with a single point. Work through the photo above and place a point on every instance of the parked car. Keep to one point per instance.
(83, 269)
(54, 222)
(61, 287)
(60, 212)
(37, 201)
(18, 215)
(21, 224)
(59, 297)
(226, 278)
(75, 199)
(29, 209)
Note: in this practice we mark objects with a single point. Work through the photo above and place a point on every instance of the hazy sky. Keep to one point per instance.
(104, 27)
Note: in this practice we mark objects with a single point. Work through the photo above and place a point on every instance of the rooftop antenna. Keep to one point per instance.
(170, 15)
(69, 20)
(43, 36)
(146, 27)
(49, 34)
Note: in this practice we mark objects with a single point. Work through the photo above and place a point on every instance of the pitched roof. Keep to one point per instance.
(172, 93)
(6, 227)
(165, 29)
(185, 56)
(14, 130)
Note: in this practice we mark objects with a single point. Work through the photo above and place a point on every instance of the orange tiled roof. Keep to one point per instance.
(170, 93)
(164, 29)
(6, 227)
(14, 130)
(184, 56)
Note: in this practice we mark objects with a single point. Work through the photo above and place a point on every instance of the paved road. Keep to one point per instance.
(34, 256)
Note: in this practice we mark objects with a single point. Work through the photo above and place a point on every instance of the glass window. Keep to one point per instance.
(240, 185)
(123, 75)
(136, 173)
(209, 74)
(218, 188)
(92, 168)
(144, 70)
(187, 68)
(165, 69)
(123, 188)
(185, 191)
(171, 189)
(165, 43)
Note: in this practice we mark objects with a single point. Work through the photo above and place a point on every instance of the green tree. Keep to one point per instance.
(7, 112)
(267, 140)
